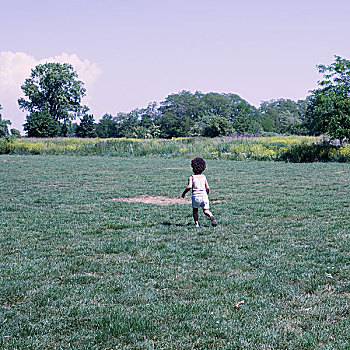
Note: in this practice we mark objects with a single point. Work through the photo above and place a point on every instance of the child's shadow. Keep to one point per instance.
(173, 224)
(180, 225)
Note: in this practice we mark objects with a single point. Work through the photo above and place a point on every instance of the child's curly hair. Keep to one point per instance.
(198, 165)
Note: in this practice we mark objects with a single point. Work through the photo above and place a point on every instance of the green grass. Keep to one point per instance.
(81, 272)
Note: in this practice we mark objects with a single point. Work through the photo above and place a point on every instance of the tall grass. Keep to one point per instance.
(287, 148)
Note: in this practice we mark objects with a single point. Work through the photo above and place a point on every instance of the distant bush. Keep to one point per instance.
(5, 146)
(306, 153)
(341, 154)
(315, 152)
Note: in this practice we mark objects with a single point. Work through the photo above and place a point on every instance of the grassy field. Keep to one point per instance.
(79, 271)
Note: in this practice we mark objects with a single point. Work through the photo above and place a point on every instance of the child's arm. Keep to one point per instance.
(207, 188)
(188, 188)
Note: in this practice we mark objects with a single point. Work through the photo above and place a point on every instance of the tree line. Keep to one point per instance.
(198, 114)
(53, 97)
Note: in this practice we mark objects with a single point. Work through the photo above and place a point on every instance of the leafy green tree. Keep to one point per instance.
(212, 125)
(171, 125)
(3, 125)
(217, 125)
(128, 123)
(243, 116)
(15, 133)
(185, 114)
(41, 124)
(179, 113)
(328, 110)
(72, 129)
(86, 128)
(107, 127)
(148, 120)
(139, 123)
(150, 129)
(152, 112)
(283, 116)
(53, 89)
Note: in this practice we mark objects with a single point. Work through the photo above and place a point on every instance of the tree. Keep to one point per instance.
(283, 116)
(243, 116)
(15, 133)
(217, 125)
(107, 127)
(53, 89)
(72, 129)
(3, 125)
(179, 113)
(86, 128)
(139, 123)
(171, 125)
(185, 114)
(328, 110)
(41, 124)
(148, 120)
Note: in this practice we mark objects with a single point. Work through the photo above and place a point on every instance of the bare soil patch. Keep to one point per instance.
(158, 200)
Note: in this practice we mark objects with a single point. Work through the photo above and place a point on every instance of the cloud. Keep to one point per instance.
(15, 67)
(87, 72)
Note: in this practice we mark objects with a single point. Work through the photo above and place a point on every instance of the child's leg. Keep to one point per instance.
(195, 216)
(207, 212)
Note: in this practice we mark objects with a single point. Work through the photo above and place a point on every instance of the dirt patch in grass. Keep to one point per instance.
(158, 200)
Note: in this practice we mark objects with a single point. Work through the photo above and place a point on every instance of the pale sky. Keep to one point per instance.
(132, 52)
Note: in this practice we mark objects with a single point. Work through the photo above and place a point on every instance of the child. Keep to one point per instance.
(200, 189)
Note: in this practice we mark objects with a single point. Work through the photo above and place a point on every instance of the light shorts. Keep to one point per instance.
(200, 201)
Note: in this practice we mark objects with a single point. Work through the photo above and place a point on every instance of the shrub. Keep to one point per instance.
(341, 154)
(5, 146)
(307, 153)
